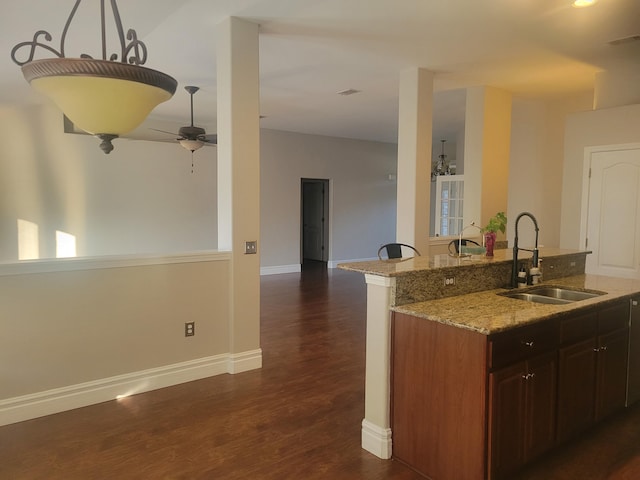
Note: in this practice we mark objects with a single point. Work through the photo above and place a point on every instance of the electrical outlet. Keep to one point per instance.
(189, 329)
(450, 280)
(250, 247)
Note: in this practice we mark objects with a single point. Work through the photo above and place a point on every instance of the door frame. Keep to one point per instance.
(327, 216)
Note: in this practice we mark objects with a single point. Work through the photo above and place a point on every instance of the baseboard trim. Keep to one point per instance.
(294, 268)
(245, 361)
(376, 440)
(26, 407)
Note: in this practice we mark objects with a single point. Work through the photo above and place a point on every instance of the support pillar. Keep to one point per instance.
(414, 158)
(376, 426)
(238, 128)
(487, 146)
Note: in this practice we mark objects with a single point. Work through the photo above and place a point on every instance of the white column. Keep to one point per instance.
(487, 146)
(414, 158)
(238, 101)
(376, 426)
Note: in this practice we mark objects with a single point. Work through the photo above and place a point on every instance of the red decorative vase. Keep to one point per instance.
(489, 242)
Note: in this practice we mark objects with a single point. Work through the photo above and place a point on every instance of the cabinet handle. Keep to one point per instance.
(596, 350)
(603, 348)
(528, 376)
(528, 344)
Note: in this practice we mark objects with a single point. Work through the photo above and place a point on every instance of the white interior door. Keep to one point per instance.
(613, 224)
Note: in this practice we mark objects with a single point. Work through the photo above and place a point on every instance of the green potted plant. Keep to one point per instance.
(497, 223)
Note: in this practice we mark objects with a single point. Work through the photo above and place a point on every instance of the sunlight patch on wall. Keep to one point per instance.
(28, 244)
(65, 245)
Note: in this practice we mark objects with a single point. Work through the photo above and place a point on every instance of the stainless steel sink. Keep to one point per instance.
(565, 293)
(551, 295)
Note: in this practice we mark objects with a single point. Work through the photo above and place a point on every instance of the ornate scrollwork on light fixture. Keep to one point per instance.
(115, 104)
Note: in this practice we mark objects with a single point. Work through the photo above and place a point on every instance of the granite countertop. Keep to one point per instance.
(397, 267)
(488, 313)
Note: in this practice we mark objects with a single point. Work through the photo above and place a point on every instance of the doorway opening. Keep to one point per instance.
(314, 221)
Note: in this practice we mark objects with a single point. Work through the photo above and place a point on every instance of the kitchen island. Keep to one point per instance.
(482, 384)
(447, 340)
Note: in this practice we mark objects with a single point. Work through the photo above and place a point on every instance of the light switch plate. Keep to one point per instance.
(251, 247)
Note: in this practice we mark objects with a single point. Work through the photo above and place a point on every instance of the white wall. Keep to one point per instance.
(535, 169)
(362, 199)
(141, 198)
(610, 126)
(73, 333)
(75, 326)
(77, 331)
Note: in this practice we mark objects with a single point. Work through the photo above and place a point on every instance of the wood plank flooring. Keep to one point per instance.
(296, 418)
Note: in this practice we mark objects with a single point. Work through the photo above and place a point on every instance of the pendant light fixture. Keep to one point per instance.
(106, 98)
(441, 166)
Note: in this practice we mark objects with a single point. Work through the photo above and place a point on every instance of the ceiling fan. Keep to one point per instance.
(191, 137)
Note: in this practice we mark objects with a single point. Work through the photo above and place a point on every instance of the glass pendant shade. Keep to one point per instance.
(96, 103)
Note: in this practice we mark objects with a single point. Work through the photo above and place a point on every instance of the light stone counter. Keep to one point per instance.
(487, 313)
(400, 267)
(424, 278)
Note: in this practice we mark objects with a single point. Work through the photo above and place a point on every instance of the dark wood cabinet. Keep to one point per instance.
(592, 368)
(611, 385)
(438, 404)
(472, 406)
(522, 413)
(576, 388)
(541, 401)
(507, 413)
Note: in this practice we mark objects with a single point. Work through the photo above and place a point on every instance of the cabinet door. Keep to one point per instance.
(541, 397)
(576, 388)
(613, 350)
(507, 413)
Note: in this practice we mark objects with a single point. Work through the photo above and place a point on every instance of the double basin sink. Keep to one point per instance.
(551, 295)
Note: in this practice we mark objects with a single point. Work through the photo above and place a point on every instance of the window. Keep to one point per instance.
(449, 204)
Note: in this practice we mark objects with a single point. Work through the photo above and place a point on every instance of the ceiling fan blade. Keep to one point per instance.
(209, 138)
(164, 131)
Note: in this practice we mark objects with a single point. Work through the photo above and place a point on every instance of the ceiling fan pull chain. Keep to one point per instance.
(192, 162)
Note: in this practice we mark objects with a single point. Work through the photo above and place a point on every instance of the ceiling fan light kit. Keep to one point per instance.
(106, 98)
(191, 137)
(191, 145)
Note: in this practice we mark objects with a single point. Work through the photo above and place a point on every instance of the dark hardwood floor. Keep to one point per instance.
(296, 418)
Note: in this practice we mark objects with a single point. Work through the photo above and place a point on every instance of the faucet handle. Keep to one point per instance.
(536, 275)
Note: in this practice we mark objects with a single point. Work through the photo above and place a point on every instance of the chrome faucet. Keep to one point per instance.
(514, 272)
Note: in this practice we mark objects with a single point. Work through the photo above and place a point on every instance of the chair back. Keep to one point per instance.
(464, 242)
(394, 250)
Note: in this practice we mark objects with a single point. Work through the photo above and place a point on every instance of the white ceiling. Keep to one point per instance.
(312, 49)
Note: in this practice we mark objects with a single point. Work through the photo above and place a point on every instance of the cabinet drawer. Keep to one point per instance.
(523, 342)
(576, 328)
